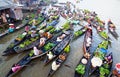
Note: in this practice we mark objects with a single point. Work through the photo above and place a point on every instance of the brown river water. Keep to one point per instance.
(104, 8)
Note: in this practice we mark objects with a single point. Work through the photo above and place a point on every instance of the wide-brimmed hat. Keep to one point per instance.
(96, 61)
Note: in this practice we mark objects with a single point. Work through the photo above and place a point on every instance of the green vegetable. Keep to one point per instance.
(104, 45)
(31, 53)
(22, 45)
(52, 30)
(99, 54)
(103, 34)
(86, 11)
(78, 33)
(49, 46)
(67, 49)
(48, 28)
(103, 71)
(80, 69)
(11, 45)
(66, 26)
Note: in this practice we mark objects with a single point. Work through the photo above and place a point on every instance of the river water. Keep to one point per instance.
(104, 8)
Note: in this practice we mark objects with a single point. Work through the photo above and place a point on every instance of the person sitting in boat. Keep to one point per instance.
(108, 59)
(49, 35)
(60, 38)
(41, 32)
(11, 28)
(55, 65)
(111, 24)
(36, 51)
(50, 55)
(87, 55)
(62, 57)
(16, 68)
(42, 41)
(27, 28)
(33, 33)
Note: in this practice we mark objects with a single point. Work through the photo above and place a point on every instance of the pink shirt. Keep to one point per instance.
(16, 68)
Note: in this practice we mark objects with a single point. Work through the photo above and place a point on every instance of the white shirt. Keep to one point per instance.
(55, 66)
(36, 51)
(58, 39)
(50, 55)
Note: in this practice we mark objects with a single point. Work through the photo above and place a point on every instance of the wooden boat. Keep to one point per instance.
(111, 29)
(24, 22)
(83, 68)
(60, 59)
(83, 64)
(27, 44)
(106, 67)
(99, 53)
(17, 28)
(57, 50)
(79, 32)
(20, 38)
(30, 41)
(25, 60)
(87, 40)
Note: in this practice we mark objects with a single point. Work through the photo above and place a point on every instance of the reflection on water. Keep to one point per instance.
(105, 8)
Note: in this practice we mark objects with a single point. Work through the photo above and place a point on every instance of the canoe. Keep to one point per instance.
(83, 68)
(106, 67)
(99, 53)
(87, 40)
(58, 49)
(20, 38)
(80, 32)
(21, 47)
(26, 60)
(60, 59)
(54, 42)
(26, 44)
(16, 29)
(24, 22)
(111, 29)
(84, 62)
